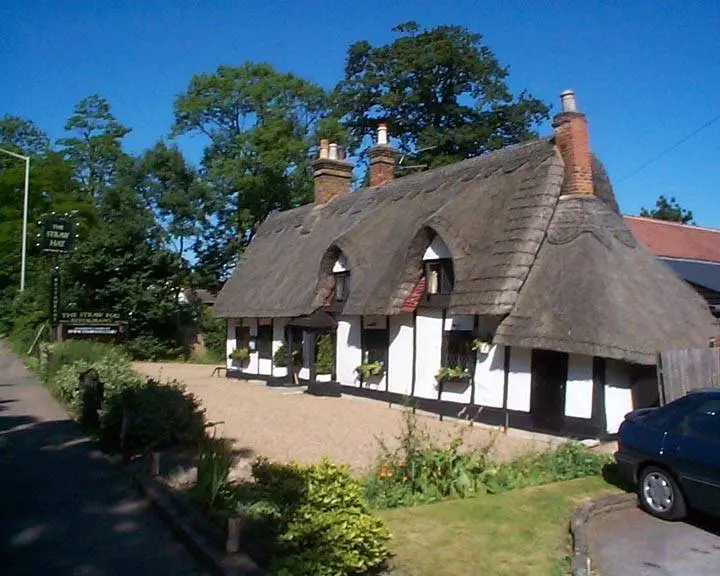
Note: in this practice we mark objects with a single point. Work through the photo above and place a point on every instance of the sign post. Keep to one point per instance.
(57, 236)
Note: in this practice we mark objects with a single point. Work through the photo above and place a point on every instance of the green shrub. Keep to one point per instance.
(71, 351)
(115, 371)
(147, 347)
(322, 521)
(158, 416)
(423, 470)
(567, 462)
(325, 361)
(279, 358)
(214, 331)
(212, 489)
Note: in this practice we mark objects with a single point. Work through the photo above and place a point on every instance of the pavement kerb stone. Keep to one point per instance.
(183, 523)
(579, 524)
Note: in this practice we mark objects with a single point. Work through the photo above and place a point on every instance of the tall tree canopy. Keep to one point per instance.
(443, 92)
(94, 145)
(668, 210)
(259, 123)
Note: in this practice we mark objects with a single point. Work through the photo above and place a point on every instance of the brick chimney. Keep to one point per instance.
(331, 172)
(571, 138)
(382, 159)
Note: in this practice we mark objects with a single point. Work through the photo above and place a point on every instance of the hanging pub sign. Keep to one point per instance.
(57, 234)
(95, 318)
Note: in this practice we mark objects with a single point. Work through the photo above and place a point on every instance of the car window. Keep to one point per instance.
(668, 414)
(703, 421)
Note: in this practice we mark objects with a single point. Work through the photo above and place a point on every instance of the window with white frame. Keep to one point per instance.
(439, 275)
(341, 274)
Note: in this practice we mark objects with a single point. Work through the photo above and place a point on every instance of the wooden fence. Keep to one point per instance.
(680, 371)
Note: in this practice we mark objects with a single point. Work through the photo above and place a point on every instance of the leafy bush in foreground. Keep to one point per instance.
(71, 351)
(422, 470)
(159, 415)
(567, 462)
(317, 522)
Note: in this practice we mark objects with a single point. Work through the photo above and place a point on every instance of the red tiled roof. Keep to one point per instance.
(674, 240)
(413, 299)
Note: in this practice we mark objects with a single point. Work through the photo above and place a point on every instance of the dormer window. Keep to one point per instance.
(341, 273)
(439, 276)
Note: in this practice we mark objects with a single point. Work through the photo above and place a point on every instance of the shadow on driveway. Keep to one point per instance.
(65, 509)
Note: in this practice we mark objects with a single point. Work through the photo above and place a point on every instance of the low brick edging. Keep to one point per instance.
(184, 524)
(579, 523)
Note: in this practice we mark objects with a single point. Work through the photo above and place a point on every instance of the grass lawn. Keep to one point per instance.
(511, 534)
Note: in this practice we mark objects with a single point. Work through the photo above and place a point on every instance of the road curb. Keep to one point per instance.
(184, 527)
(579, 523)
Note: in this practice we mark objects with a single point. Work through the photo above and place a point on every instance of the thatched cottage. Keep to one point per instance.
(505, 288)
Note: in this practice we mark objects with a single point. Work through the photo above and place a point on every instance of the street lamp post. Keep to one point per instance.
(25, 214)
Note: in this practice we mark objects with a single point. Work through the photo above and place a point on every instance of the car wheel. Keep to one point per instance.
(660, 495)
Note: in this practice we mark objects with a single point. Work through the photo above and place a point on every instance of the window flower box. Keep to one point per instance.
(370, 372)
(481, 346)
(240, 357)
(453, 375)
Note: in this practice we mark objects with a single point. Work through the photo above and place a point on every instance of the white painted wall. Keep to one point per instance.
(278, 338)
(348, 355)
(428, 341)
(230, 343)
(340, 265)
(490, 377)
(579, 386)
(618, 394)
(436, 250)
(400, 354)
(519, 378)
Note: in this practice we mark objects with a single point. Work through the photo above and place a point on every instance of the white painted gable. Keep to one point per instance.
(340, 265)
(436, 250)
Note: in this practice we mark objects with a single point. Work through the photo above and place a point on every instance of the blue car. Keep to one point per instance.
(672, 453)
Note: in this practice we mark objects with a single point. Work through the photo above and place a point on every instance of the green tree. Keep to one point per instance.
(260, 125)
(668, 210)
(125, 265)
(442, 91)
(94, 146)
(22, 136)
(178, 198)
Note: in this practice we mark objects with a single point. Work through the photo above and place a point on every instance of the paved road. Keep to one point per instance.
(64, 510)
(633, 543)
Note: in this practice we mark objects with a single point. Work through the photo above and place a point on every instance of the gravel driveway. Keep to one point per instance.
(633, 543)
(285, 424)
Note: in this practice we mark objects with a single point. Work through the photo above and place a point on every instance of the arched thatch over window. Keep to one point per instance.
(426, 248)
(334, 280)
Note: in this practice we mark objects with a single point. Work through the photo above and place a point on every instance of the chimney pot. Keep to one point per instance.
(567, 100)
(382, 134)
(324, 148)
(333, 155)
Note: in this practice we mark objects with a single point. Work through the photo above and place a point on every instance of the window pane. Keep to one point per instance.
(242, 337)
(342, 286)
(457, 349)
(703, 422)
(375, 345)
(264, 342)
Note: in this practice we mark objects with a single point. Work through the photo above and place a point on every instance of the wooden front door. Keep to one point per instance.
(547, 397)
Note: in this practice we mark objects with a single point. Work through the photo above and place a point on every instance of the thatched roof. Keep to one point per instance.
(595, 290)
(502, 219)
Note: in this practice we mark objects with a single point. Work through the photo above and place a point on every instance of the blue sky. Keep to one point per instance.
(646, 73)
